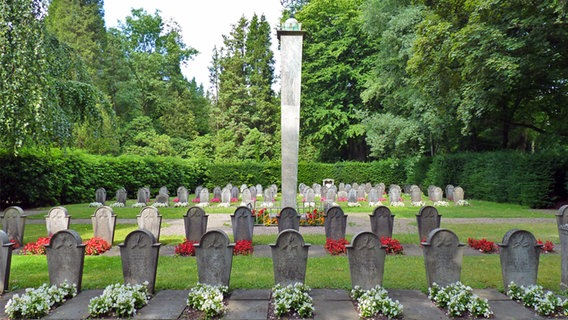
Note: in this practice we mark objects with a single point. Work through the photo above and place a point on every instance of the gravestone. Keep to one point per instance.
(243, 187)
(355, 186)
(416, 194)
(288, 219)
(247, 198)
(428, 219)
(380, 190)
(163, 198)
(348, 187)
(104, 223)
(198, 191)
(450, 192)
(226, 197)
(217, 193)
(366, 260)
(352, 198)
(141, 196)
(563, 233)
(268, 195)
(382, 222)
(195, 222)
(458, 194)
(335, 223)
(443, 254)
(394, 195)
(373, 197)
(5, 261)
(149, 219)
(368, 187)
(562, 216)
(437, 194)
(289, 258)
(139, 255)
(204, 196)
(14, 224)
(430, 191)
(519, 255)
(57, 219)
(235, 192)
(65, 258)
(214, 255)
(100, 195)
(164, 190)
(147, 192)
(361, 192)
(259, 189)
(121, 196)
(342, 195)
(301, 188)
(253, 193)
(317, 189)
(183, 195)
(330, 197)
(243, 224)
(328, 182)
(341, 187)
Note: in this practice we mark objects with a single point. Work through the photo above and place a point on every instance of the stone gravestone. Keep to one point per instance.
(437, 194)
(450, 192)
(382, 222)
(147, 192)
(289, 258)
(366, 260)
(121, 196)
(163, 198)
(352, 198)
(416, 194)
(13, 224)
(562, 216)
(394, 195)
(226, 197)
(149, 219)
(164, 190)
(204, 196)
(243, 224)
(104, 223)
(243, 187)
(335, 223)
(288, 219)
(5, 261)
(247, 198)
(330, 196)
(361, 193)
(57, 219)
(139, 254)
(342, 195)
(195, 222)
(198, 191)
(141, 196)
(217, 192)
(381, 190)
(235, 192)
(65, 258)
(100, 195)
(519, 254)
(268, 195)
(310, 197)
(259, 189)
(458, 194)
(183, 195)
(443, 254)
(373, 197)
(253, 193)
(214, 255)
(563, 233)
(428, 219)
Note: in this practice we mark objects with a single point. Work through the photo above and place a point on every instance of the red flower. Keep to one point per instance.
(393, 245)
(186, 248)
(37, 247)
(243, 247)
(482, 245)
(336, 247)
(195, 200)
(215, 200)
(96, 246)
(547, 247)
(234, 200)
(176, 200)
(16, 244)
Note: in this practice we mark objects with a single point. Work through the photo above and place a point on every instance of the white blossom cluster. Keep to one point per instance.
(462, 203)
(418, 204)
(267, 205)
(117, 205)
(95, 204)
(293, 297)
(224, 205)
(440, 204)
(397, 204)
(159, 205)
(534, 296)
(36, 303)
(181, 204)
(375, 204)
(139, 205)
(353, 204)
(202, 204)
(376, 301)
(207, 298)
(459, 300)
(121, 300)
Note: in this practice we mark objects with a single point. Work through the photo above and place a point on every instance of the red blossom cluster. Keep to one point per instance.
(195, 200)
(482, 245)
(243, 248)
(362, 199)
(215, 200)
(336, 247)
(36, 248)
(234, 200)
(547, 246)
(96, 246)
(393, 245)
(176, 200)
(341, 199)
(16, 244)
(186, 248)
(313, 218)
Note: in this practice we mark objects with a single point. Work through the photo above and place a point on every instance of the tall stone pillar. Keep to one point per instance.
(290, 36)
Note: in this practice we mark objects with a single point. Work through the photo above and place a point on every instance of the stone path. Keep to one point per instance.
(329, 304)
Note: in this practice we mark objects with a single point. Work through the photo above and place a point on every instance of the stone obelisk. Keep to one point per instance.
(291, 37)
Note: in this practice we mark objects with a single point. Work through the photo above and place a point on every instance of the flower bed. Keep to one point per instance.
(119, 300)
(336, 247)
(375, 302)
(534, 297)
(36, 248)
(459, 300)
(292, 300)
(96, 246)
(207, 300)
(393, 245)
(186, 248)
(36, 303)
(243, 248)
(483, 245)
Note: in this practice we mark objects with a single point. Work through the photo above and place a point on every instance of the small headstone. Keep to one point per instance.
(149, 219)
(450, 192)
(430, 191)
(352, 197)
(437, 194)
(301, 188)
(342, 195)
(416, 195)
(328, 182)
(198, 191)
(443, 254)
(348, 187)
(226, 197)
(368, 187)
(57, 219)
(243, 224)
(317, 189)
(195, 222)
(562, 216)
(100, 195)
(141, 196)
(65, 258)
(382, 222)
(380, 190)
(341, 187)
(13, 224)
(366, 260)
(373, 197)
(519, 254)
(121, 196)
(204, 195)
(104, 222)
(355, 186)
(139, 254)
(259, 189)
(289, 258)
(394, 195)
(268, 195)
(217, 192)
(458, 194)
(5, 261)
(164, 190)
(235, 192)
(163, 198)
(243, 187)
(183, 195)
(253, 193)
(428, 219)
(310, 196)
(330, 197)
(214, 255)
(335, 223)
(147, 192)
(361, 192)
(288, 219)
(247, 198)
(563, 233)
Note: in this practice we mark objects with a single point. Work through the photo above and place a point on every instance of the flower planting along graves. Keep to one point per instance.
(366, 260)
(243, 224)
(519, 256)
(562, 216)
(382, 222)
(458, 194)
(443, 255)
(149, 219)
(335, 223)
(100, 196)
(427, 219)
(104, 223)
(289, 258)
(195, 223)
(288, 219)
(563, 233)
(162, 200)
(13, 224)
(139, 254)
(65, 258)
(57, 219)
(5, 260)
(214, 256)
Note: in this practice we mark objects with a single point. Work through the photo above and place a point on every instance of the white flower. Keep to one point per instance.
(440, 204)
(138, 205)
(95, 204)
(353, 204)
(202, 204)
